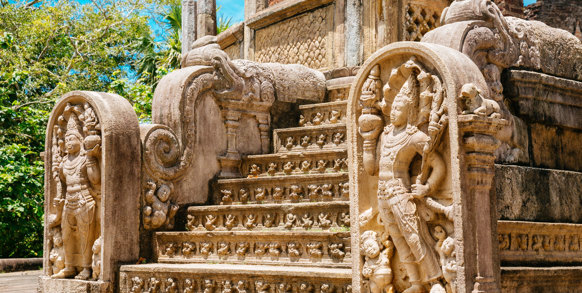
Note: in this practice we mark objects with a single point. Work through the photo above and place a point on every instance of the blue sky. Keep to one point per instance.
(232, 8)
(528, 2)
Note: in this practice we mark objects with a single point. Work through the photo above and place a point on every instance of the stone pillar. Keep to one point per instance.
(249, 33)
(188, 25)
(479, 144)
(230, 163)
(353, 32)
(206, 18)
(265, 129)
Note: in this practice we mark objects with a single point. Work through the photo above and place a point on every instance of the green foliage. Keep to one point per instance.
(51, 47)
(46, 50)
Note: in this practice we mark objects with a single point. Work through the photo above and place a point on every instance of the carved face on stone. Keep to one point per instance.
(398, 115)
(371, 248)
(72, 144)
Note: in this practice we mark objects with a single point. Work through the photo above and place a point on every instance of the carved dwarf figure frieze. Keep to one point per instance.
(76, 171)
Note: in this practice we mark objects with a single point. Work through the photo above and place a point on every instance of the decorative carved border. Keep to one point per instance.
(333, 161)
(323, 114)
(226, 278)
(296, 248)
(325, 137)
(282, 11)
(330, 216)
(301, 188)
(539, 242)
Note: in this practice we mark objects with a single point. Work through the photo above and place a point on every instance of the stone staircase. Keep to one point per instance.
(284, 226)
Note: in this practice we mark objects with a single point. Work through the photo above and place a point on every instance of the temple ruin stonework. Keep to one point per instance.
(329, 146)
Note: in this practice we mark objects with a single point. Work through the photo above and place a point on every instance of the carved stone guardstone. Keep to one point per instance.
(421, 137)
(92, 196)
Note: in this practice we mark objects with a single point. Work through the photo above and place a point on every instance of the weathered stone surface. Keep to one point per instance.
(536, 244)
(285, 10)
(297, 163)
(561, 14)
(249, 278)
(538, 195)
(546, 99)
(295, 248)
(47, 284)
(326, 187)
(310, 139)
(324, 216)
(188, 25)
(430, 104)
(91, 192)
(495, 43)
(323, 113)
(511, 7)
(307, 40)
(541, 279)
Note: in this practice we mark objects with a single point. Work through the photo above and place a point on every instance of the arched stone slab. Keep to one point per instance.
(92, 191)
(419, 181)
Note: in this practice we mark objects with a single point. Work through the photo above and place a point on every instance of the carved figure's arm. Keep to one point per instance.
(434, 162)
(438, 172)
(93, 171)
(370, 128)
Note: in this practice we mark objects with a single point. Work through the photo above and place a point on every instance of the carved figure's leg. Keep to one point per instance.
(406, 256)
(68, 224)
(415, 233)
(87, 236)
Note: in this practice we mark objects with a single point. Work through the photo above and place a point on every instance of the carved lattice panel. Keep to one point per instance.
(302, 40)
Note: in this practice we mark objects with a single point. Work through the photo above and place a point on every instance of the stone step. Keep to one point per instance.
(338, 89)
(323, 113)
(282, 189)
(299, 248)
(310, 138)
(211, 278)
(324, 216)
(561, 279)
(294, 163)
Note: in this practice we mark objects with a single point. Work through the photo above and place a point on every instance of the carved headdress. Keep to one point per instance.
(73, 127)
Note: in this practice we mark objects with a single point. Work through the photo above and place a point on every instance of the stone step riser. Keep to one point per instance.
(321, 249)
(305, 188)
(295, 164)
(326, 216)
(322, 113)
(211, 281)
(310, 139)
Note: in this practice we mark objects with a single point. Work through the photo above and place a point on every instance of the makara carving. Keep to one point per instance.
(402, 123)
(76, 171)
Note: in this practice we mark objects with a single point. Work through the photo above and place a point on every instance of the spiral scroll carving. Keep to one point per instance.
(162, 152)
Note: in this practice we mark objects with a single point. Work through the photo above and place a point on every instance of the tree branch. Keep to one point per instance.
(29, 4)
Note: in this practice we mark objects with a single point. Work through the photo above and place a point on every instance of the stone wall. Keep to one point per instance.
(303, 39)
(564, 14)
(510, 7)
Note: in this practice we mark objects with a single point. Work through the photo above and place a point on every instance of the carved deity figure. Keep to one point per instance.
(78, 191)
(408, 166)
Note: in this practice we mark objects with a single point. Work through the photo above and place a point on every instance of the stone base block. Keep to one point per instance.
(551, 279)
(48, 285)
